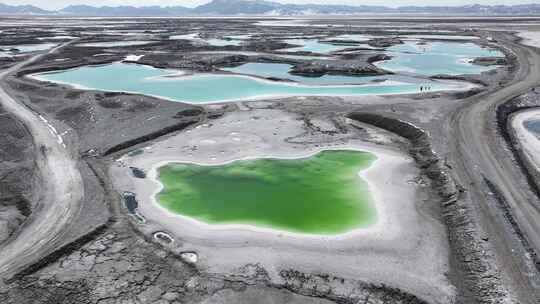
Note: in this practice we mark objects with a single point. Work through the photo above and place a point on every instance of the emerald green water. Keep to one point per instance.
(322, 194)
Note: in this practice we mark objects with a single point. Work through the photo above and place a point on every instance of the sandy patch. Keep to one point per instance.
(133, 57)
(530, 38)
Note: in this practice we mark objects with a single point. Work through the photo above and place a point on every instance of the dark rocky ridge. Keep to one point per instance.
(336, 67)
(487, 61)
(384, 42)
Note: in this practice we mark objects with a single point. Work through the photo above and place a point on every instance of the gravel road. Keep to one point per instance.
(61, 191)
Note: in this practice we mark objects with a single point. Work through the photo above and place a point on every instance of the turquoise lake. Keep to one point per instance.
(434, 58)
(122, 77)
(281, 70)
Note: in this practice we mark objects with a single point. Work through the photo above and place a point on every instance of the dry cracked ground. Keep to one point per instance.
(119, 267)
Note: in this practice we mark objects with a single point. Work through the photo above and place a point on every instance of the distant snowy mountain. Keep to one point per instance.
(262, 7)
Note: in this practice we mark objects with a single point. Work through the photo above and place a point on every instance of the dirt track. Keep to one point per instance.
(472, 152)
(61, 193)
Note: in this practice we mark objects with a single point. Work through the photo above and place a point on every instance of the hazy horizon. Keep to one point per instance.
(57, 4)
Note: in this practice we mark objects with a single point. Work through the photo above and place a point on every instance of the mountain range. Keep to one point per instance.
(261, 7)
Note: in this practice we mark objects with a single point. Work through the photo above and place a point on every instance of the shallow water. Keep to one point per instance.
(233, 40)
(314, 46)
(248, 53)
(442, 37)
(533, 126)
(436, 58)
(147, 80)
(281, 70)
(25, 48)
(304, 57)
(322, 194)
(354, 37)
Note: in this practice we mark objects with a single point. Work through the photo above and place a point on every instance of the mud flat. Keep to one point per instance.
(405, 249)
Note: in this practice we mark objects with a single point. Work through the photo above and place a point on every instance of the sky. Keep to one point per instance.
(56, 4)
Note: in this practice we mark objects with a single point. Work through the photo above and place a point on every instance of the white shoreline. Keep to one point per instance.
(364, 174)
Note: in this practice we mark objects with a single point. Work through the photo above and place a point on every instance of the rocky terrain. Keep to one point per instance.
(119, 267)
(108, 255)
(17, 175)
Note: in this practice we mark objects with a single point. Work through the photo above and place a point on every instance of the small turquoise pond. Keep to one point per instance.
(6, 50)
(353, 37)
(314, 46)
(233, 40)
(433, 58)
(208, 88)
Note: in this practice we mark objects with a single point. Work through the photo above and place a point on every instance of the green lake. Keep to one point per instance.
(321, 194)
